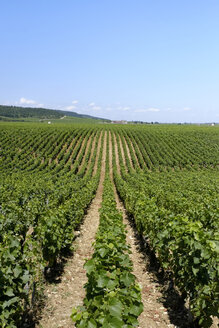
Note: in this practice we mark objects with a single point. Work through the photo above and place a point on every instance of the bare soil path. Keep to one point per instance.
(155, 314)
(85, 153)
(116, 153)
(72, 150)
(136, 147)
(70, 145)
(69, 293)
(92, 151)
(81, 148)
(123, 154)
(79, 152)
(128, 152)
(98, 152)
(134, 151)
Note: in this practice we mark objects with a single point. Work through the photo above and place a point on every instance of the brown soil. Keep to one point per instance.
(155, 314)
(80, 150)
(136, 146)
(64, 146)
(110, 156)
(117, 155)
(128, 152)
(133, 148)
(159, 308)
(70, 146)
(162, 303)
(85, 153)
(153, 310)
(70, 157)
(69, 293)
(92, 151)
(123, 154)
(98, 152)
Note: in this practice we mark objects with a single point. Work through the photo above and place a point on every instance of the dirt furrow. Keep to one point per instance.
(134, 151)
(80, 150)
(98, 152)
(70, 146)
(92, 151)
(77, 143)
(63, 147)
(117, 155)
(128, 152)
(69, 292)
(154, 314)
(85, 153)
(123, 154)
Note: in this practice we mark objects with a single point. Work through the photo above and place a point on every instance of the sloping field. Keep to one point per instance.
(129, 212)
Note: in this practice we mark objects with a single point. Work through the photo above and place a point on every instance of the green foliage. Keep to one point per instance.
(39, 209)
(113, 299)
(16, 112)
(182, 232)
(169, 182)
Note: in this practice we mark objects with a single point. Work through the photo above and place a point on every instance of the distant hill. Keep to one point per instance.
(15, 112)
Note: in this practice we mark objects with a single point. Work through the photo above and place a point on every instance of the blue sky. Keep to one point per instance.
(120, 59)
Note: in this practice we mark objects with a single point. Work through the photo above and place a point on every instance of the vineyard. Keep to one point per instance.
(163, 178)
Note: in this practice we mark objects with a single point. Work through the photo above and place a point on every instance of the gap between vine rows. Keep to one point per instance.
(67, 293)
(155, 314)
(85, 153)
